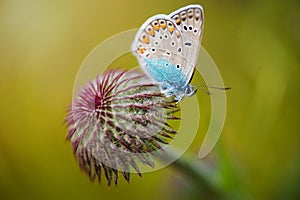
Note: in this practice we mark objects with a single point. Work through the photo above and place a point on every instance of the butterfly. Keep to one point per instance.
(167, 48)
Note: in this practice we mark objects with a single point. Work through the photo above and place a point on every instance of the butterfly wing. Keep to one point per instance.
(158, 45)
(190, 21)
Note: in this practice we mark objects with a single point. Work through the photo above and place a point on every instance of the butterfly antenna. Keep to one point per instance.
(212, 87)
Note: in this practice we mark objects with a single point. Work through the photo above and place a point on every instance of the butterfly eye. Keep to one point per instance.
(189, 91)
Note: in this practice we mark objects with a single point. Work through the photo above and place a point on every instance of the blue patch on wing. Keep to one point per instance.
(162, 70)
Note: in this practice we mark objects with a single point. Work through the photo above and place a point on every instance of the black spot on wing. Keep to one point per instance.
(188, 44)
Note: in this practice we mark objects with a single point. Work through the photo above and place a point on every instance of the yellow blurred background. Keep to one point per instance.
(255, 44)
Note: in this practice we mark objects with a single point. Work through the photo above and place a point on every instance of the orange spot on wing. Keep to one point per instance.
(163, 26)
(156, 27)
(141, 50)
(151, 32)
(146, 40)
(171, 28)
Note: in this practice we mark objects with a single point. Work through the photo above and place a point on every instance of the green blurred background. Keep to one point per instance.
(256, 45)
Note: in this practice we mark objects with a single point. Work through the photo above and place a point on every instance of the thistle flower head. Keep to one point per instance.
(117, 122)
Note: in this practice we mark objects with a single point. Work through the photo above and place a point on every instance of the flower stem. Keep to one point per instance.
(202, 176)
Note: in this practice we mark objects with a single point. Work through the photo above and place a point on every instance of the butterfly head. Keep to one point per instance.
(187, 91)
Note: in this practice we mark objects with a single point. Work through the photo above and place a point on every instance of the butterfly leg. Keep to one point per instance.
(178, 98)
